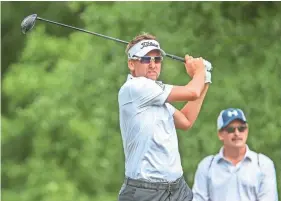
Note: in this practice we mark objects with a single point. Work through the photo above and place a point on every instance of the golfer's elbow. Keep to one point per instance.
(186, 125)
(186, 128)
(194, 95)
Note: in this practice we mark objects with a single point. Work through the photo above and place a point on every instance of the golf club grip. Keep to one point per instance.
(206, 63)
(175, 57)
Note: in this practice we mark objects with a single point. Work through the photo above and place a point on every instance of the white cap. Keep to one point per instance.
(143, 47)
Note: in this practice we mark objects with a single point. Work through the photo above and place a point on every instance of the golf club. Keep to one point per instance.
(29, 22)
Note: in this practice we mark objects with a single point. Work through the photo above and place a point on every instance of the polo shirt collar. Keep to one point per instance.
(249, 154)
(130, 77)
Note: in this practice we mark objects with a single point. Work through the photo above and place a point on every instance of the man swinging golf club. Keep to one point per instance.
(148, 122)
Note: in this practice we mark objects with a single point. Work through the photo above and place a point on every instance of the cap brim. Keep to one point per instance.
(230, 120)
(146, 50)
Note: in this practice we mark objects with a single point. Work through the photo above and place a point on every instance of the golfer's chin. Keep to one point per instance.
(152, 76)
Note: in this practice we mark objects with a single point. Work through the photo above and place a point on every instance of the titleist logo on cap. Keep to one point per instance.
(146, 44)
(143, 47)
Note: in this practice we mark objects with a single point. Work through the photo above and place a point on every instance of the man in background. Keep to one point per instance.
(236, 173)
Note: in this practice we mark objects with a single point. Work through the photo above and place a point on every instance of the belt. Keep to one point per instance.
(154, 185)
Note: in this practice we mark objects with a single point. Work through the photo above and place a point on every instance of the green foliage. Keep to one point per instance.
(60, 131)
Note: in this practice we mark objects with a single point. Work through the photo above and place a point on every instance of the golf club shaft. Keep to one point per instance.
(82, 30)
(103, 36)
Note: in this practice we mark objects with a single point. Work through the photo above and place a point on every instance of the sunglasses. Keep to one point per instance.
(148, 59)
(231, 129)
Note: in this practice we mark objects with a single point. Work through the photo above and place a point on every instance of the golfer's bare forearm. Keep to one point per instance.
(192, 108)
(197, 83)
(189, 92)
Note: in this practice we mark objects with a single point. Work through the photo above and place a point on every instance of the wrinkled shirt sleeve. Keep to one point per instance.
(171, 109)
(145, 92)
(268, 186)
(200, 186)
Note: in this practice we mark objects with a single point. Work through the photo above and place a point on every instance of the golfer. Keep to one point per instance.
(148, 123)
(236, 173)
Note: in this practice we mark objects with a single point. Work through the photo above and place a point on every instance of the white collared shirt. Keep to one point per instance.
(148, 131)
(252, 179)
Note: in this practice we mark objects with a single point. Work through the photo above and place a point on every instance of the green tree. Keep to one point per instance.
(60, 131)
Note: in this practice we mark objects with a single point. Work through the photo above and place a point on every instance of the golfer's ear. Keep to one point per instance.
(131, 65)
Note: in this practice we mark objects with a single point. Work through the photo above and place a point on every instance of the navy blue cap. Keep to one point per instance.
(228, 115)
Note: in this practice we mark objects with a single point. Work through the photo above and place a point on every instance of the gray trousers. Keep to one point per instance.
(138, 190)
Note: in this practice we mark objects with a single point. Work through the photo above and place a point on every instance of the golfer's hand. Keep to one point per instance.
(193, 65)
(208, 72)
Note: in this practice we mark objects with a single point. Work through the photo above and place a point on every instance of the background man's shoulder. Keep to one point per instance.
(205, 163)
(265, 161)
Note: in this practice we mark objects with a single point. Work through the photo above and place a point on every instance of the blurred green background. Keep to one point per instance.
(60, 132)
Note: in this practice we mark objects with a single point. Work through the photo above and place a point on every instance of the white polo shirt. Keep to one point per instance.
(148, 131)
(252, 179)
